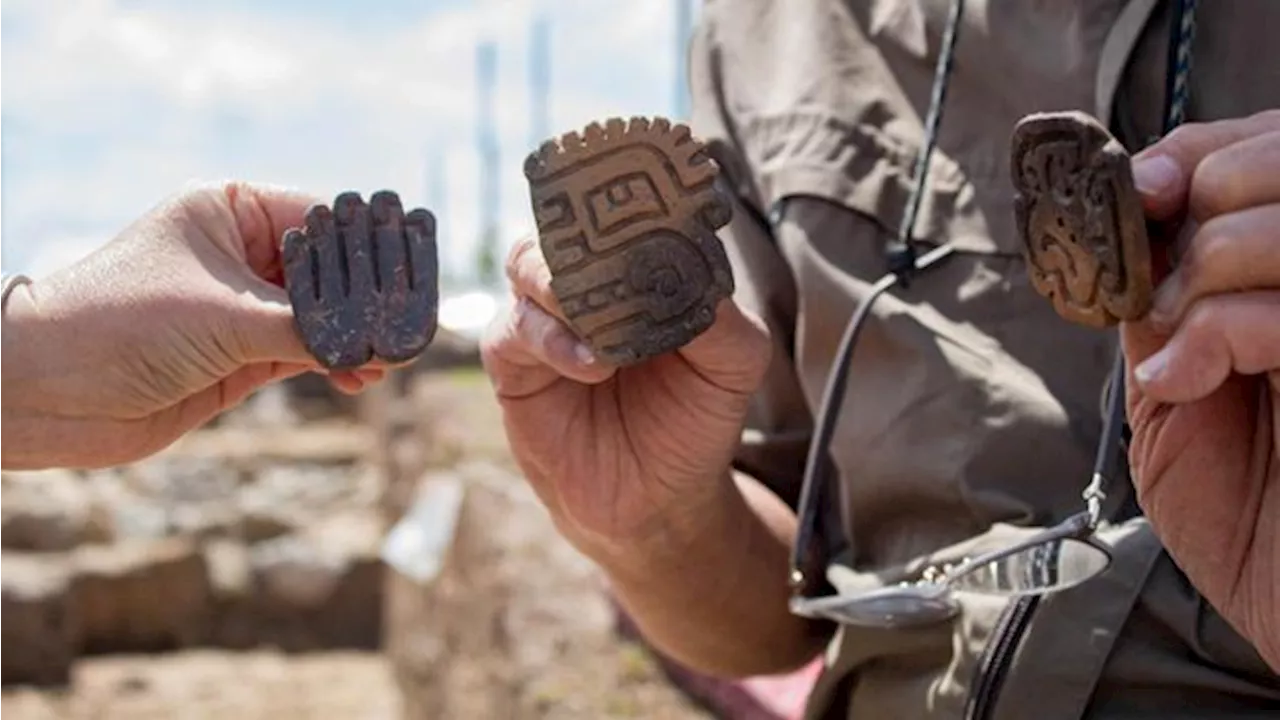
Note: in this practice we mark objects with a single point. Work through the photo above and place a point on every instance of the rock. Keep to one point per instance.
(171, 479)
(121, 511)
(292, 572)
(321, 587)
(265, 523)
(133, 518)
(31, 703)
(353, 616)
(418, 545)
(141, 596)
(314, 486)
(206, 520)
(453, 622)
(234, 623)
(246, 449)
(45, 511)
(285, 497)
(39, 629)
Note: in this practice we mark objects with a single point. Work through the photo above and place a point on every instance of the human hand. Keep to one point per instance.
(1204, 390)
(179, 318)
(618, 455)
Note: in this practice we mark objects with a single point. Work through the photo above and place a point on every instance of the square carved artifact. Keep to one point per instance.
(627, 214)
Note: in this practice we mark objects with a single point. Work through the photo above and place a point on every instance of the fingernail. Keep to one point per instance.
(1156, 175)
(1152, 368)
(584, 354)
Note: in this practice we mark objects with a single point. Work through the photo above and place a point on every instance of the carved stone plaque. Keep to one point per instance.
(1080, 219)
(627, 215)
(363, 280)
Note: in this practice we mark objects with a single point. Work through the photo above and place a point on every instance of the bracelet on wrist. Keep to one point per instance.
(8, 283)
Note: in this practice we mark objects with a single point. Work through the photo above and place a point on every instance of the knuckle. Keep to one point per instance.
(516, 256)
(1270, 116)
(1206, 251)
(232, 189)
(1181, 138)
(1217, 186)
(1203, 319)
(1187, 134)
(1226, 175)
(1186, 143)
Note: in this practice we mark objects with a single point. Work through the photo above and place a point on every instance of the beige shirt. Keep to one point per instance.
(970, 405)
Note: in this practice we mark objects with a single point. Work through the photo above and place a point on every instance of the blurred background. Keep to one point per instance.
(309, 554)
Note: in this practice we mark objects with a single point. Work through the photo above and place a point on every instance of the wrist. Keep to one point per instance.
(25, 421)
(675, 536)
(17, 316)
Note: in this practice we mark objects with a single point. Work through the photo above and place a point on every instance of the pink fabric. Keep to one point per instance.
(770, 697)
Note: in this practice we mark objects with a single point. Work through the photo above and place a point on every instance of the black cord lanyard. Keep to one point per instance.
(903, 263)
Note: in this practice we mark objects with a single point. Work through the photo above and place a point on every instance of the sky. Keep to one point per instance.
(109, 106)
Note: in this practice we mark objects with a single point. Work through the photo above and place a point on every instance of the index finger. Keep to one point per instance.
(731, 353)
(1163, 172)
(530, 276)
(263, 213)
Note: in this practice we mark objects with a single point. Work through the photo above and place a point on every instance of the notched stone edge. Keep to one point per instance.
(574, 146)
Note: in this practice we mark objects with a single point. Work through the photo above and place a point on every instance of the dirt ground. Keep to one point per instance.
(254, 685)
(267, 685)
(553, 654)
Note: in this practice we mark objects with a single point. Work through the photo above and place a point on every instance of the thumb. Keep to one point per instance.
(734, 352)
(265, 328)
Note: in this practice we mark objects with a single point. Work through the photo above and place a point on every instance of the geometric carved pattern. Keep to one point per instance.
(1080, 219)
(627, 214)
(363, 280)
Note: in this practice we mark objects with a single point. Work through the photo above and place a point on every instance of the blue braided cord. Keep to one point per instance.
(1180, 88)
(942, 74)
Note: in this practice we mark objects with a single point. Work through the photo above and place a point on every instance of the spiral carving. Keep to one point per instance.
(667, 274)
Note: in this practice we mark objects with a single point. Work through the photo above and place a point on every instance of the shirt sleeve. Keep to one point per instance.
(776, 436)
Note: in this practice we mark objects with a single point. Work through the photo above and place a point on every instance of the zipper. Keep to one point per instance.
(998, 656)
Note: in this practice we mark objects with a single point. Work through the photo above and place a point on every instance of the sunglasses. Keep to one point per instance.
(1054, 559)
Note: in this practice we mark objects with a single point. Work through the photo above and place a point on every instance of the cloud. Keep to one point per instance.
(111, 105)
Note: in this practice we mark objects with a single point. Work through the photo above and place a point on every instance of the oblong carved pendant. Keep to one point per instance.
(1080, 219)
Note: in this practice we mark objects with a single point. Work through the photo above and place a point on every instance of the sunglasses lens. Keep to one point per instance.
(1047, 567)
(888, 607)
